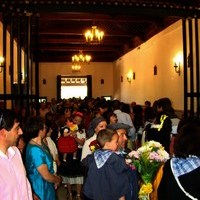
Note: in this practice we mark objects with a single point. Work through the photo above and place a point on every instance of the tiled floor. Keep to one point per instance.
(62, 193)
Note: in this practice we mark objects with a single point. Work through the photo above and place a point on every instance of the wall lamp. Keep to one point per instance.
(178, 61)
(1, 63)
(130, 76)
(177, 68)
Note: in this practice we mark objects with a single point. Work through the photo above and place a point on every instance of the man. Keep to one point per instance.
(14, 184)
(122, 130)
(124, 118)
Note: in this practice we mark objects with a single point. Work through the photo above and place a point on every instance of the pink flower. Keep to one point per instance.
(134, 154)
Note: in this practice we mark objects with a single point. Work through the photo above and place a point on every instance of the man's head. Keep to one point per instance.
(121, 129)
(9, 128)
(122, 141)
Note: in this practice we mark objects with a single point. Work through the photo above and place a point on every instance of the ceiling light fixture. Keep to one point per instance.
(94, 36)
(76, 68)
(81, 58)
(78, 60)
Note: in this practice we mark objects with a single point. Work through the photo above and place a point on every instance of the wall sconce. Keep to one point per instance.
(1, 63)
(178, 60)
(130, 76)
(177, 68)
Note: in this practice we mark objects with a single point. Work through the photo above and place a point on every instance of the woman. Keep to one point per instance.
(111, 118)
(181, 175)
(160, 129)
(39, 162)
(52, 148)
(97, 124)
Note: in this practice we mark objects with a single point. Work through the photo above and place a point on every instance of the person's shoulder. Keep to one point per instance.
(115, 157)
(91, 139)
(49, 140)
(14, 149)
(34, 149)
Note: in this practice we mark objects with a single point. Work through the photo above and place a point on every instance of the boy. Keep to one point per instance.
(107, 172)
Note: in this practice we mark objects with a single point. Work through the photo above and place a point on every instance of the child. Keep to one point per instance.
(107, 172)
(67, 143)
(80, 134)
(73, 133)
(77, 132)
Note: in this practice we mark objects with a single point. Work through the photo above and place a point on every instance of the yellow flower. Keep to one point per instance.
(92, 148)
(146, 189)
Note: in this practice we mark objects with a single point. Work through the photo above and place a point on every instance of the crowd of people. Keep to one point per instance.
(85, 143)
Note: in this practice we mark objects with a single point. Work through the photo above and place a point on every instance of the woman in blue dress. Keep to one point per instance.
(38, 161)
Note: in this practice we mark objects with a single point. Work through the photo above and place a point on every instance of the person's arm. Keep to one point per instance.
(78, 140)
(46, 175)
(35, 197)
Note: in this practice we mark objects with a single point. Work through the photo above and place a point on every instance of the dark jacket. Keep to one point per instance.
(169, 189)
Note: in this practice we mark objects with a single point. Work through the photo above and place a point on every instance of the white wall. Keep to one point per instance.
(50, 71)
(160, 51)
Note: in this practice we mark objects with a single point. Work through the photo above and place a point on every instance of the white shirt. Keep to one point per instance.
(81, 136)
(175, 122)
(86, 149)
(53, 150)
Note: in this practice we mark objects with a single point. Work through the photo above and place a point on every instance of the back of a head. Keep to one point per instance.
(125, 107)
(147, 103)
(137, 109)
(7, 119)
(32, 127)
(116, 105)
(166, 105)
(149, 114)
(188, 139)
(105, 136)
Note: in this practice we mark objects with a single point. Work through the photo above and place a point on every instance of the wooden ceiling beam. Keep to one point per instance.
(151, 8)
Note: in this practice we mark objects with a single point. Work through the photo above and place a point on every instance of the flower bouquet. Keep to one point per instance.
(148, 159)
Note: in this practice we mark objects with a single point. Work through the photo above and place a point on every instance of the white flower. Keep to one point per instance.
(128, 161)
(153, 143)
(163, 154)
